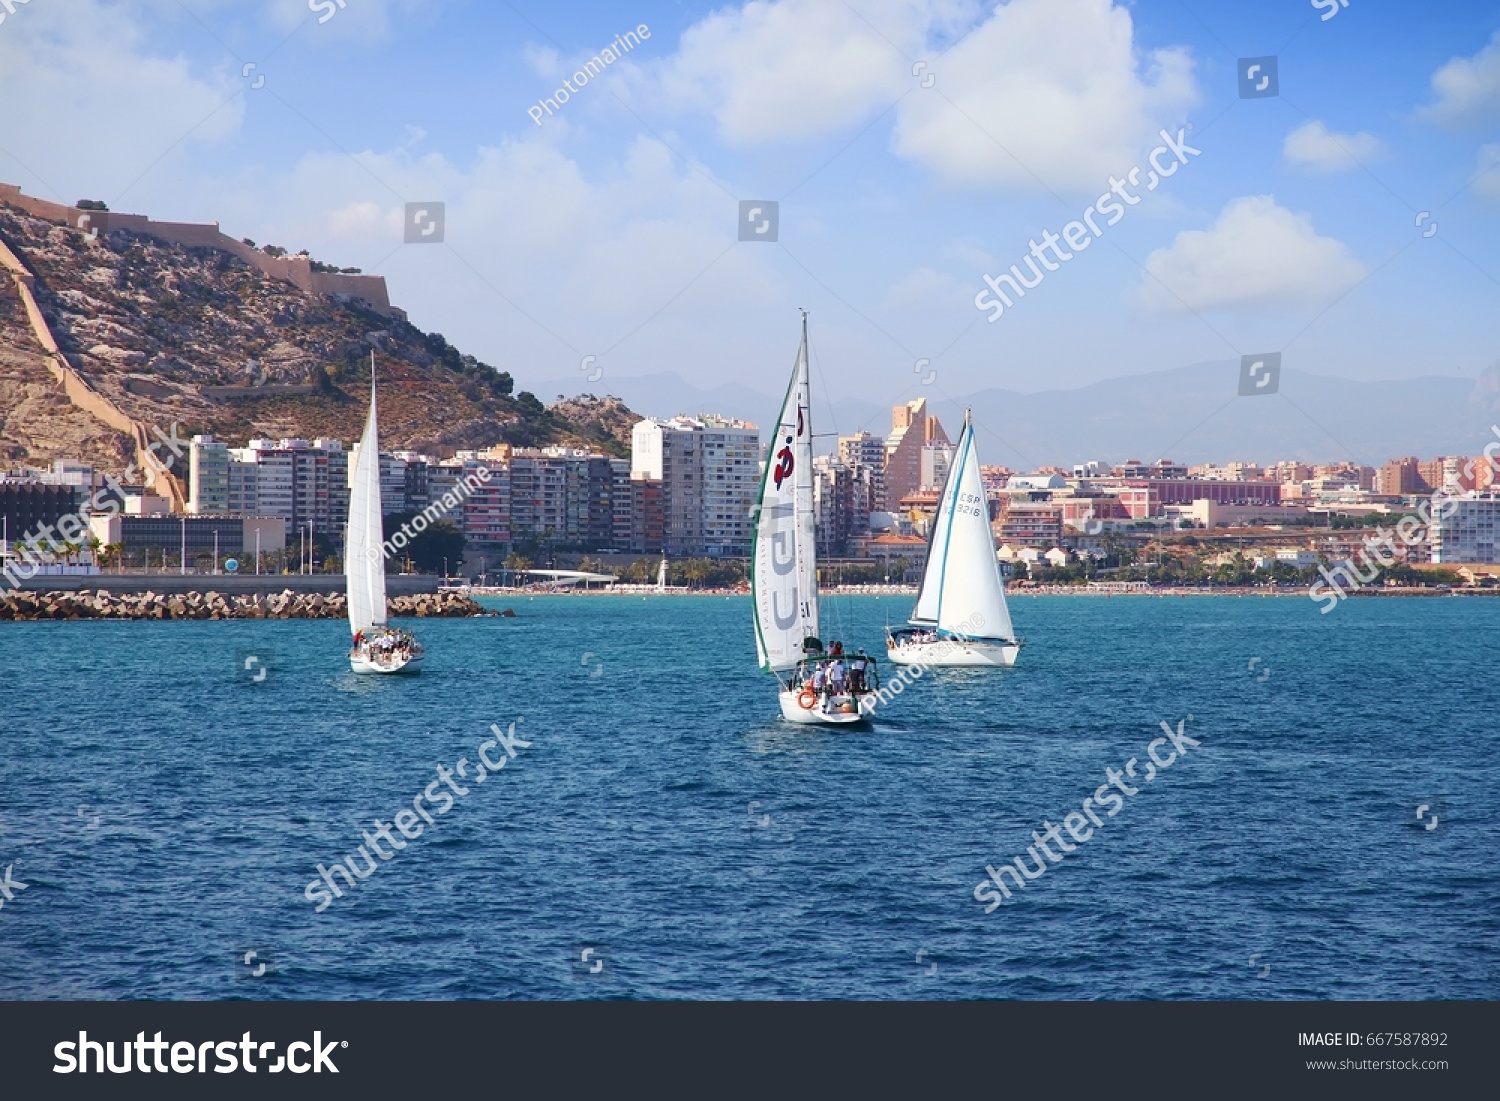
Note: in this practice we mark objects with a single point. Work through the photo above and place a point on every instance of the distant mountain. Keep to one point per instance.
(666, 394)
(1190, 414)
(1194, 414)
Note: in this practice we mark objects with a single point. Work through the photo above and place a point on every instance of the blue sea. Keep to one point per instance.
(168, 791)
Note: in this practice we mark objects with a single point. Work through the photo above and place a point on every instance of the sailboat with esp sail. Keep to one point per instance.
(961, 617)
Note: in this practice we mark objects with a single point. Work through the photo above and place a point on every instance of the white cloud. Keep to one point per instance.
(1058, 83)
(1256, 254)
(1049, 89)
(1467, 90)
(791, 69)
(99, 104)
(1315, 147)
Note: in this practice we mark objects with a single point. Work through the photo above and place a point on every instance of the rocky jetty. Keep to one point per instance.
(102, 604)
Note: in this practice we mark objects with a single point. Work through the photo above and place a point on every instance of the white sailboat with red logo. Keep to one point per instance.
(816, 686)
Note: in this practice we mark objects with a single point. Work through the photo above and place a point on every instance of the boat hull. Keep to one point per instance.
(955, 652)
(388, 667)
(824, 712)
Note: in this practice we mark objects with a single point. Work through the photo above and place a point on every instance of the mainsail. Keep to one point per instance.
(961, 588)
(783, 573)
(364, 557)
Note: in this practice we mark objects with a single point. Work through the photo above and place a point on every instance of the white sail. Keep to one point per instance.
(961, 589)
(925, 614)
(364, 557)
(783, 574)
(661, 575)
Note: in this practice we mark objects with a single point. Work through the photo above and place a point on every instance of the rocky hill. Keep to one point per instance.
(167, 333)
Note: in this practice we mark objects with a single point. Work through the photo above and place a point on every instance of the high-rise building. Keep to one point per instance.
(297, 481)
(936, 458)
(912, 429)
(208, 477)
(709, 469)
(843, 498)
(867, 451)
(731, 476)
(1399, 476)
(1463, 531)
(648, 515)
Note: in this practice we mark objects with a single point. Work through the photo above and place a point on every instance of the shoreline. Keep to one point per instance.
(22, 606)
(1010, 592)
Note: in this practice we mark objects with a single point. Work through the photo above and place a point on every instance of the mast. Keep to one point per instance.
(783, 560)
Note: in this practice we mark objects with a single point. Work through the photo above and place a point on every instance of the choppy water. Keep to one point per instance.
(166, 812)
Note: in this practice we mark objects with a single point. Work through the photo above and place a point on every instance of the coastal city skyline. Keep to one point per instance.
(687, 490)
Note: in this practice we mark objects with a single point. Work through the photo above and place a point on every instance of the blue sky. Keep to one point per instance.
(610, 230)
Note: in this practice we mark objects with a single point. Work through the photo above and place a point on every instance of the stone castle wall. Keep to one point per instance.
(296, 270)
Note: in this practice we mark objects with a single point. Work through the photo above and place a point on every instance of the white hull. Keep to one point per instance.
(824, 712)
(954, 652)
(387, 665)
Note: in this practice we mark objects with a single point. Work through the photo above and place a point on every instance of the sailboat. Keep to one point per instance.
(961, 617)
(815, 686)
(377, 647)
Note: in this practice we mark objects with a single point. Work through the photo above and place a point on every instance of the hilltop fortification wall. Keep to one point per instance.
(296, 270)
(81, 394)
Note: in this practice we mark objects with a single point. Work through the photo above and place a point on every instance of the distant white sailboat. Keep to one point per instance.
(377, 648)
(816, 686)
(961, 617)
(661, 575)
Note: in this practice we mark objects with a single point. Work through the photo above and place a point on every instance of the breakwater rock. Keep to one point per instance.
(101, 604)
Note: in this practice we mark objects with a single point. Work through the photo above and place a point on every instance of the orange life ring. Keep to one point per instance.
(807, 699)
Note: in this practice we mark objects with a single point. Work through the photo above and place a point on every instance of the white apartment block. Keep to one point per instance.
(1463, 531)
(731, 477)
(709, 469)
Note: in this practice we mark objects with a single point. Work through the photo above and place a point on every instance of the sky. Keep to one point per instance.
(1351, 221)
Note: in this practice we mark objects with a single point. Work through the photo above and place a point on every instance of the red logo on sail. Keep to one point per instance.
(784, 462)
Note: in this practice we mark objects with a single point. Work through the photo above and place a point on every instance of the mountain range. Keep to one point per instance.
(1189, 414)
